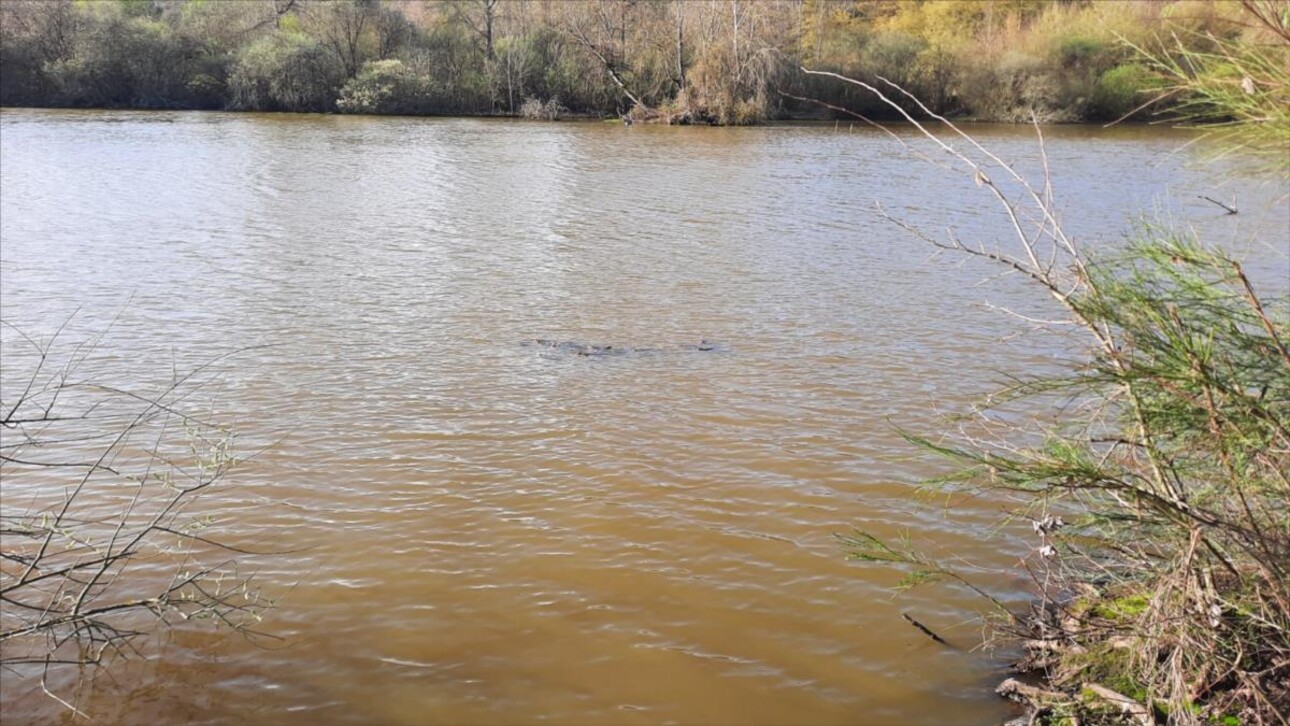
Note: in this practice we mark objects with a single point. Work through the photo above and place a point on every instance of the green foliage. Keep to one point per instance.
(1120, 608)
(893, 55)
(919, 568)
(383, 87)
(139, 8)
(1016, 87)
(290, 24)
(1166, 450)
(1173, 477)
(1121, 90)
(1003, 60)
(1238, 87)
(285, 72)
(1079, 51)
(207, 91)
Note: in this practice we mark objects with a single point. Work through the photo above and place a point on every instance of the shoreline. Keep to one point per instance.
(791, 120)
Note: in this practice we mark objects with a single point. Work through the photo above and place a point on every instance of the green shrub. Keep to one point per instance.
(955, 56)
(121, 61)
(206, 90)
(1077, 52)
(383, 87)
(892, 55)
(1165, 450)
(285, 72)
(1120, 90)
(538, 110)
(1015, 87)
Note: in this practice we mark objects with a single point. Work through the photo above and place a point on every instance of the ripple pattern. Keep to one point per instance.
(482, 532)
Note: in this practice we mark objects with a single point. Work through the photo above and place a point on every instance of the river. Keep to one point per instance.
(475, 531)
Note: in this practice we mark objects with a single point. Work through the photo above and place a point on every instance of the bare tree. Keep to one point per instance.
(734, 37)
(606, 40)
(480, 16)
(343, 25)
(678, 9)
(97, 544)
(50, 25)
(280, 8)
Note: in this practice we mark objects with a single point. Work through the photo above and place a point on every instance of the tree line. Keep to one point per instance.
(681, 61)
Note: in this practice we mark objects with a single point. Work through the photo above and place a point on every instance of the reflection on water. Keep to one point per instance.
(486, 532)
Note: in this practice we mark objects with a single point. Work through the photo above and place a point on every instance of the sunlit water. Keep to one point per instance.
(479, 531)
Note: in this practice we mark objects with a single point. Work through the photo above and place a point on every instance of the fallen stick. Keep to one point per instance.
(928, 631)
(1039, 697)
(1230, 210)
(1052, 646)
(1127, 705)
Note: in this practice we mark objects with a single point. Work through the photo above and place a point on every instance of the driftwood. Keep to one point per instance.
(579, 348)
(928, 631)
(1015, 690)
(1230, 210)
(1036, 700)
(1042, 654)
(1052, 646)
(1127, 706)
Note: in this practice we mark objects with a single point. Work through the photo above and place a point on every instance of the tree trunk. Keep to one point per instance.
(734, 36)
(680, 46)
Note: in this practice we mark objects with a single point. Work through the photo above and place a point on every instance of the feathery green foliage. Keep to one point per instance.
(1238, 87)
(1159, 486)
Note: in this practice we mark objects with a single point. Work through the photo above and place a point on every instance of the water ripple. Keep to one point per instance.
(476, 531)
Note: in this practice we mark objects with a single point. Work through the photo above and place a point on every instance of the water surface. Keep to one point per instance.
(484, 532)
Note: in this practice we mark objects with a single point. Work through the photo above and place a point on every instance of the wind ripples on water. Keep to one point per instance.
(481, 531)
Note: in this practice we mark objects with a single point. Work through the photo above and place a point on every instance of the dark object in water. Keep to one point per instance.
(573, 347)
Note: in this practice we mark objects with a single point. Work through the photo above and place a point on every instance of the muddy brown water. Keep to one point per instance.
(478, 531)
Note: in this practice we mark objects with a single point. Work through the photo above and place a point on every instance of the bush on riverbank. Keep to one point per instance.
(682, 62)
(549, 110)
(1157, 489)
(1157, 482)
(284, 72)
(1006, 60)
(383, 87)
(1161, 506)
